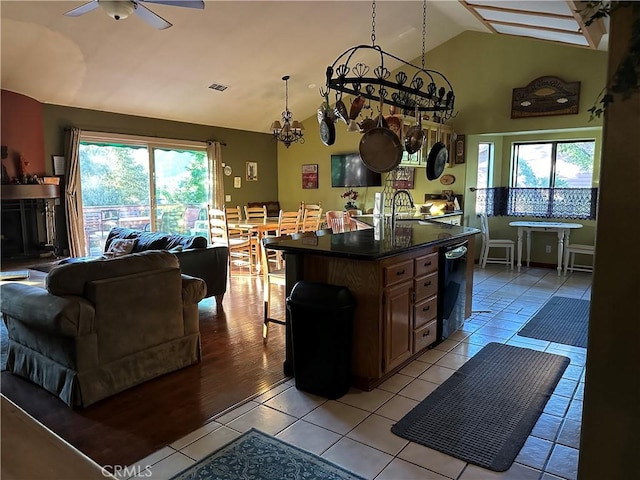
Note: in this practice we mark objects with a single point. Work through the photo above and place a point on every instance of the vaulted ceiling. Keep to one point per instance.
(128, 66)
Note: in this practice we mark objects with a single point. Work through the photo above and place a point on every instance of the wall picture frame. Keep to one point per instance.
(310, 175)
(252, 171)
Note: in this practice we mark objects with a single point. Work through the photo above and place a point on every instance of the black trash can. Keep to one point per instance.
(321, 331)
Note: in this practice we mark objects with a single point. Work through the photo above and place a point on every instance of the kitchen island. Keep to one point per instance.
(395, 274)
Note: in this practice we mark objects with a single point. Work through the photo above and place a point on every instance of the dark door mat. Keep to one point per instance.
(561, 320)
(485, 411)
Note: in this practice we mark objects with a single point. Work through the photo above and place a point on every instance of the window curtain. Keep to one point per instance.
(75, 236)
(573, 203)
(214, 156)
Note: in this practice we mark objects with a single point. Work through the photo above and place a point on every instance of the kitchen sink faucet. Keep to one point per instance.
(393, 204)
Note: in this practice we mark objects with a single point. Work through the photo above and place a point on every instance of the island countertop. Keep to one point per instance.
(378, 242)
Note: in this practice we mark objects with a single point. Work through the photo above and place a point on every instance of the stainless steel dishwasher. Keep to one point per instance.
(451, 289)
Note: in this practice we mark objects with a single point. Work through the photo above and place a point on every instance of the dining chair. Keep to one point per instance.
(234, 215)
(271, 275)
(240, 251)
(109, 218)
(488, 243)
(337, 220)
(570, 252)
(311, 219)
(255, 213)
(189, 218)
(288, 222)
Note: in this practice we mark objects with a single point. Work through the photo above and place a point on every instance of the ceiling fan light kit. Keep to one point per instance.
(121, 9)
(117, 9)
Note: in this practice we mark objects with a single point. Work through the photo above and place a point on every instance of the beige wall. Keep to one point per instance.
(483, 70)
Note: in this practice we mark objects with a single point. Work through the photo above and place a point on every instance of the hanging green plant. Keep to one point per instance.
(625, 81)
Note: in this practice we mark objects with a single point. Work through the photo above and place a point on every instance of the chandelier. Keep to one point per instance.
(425, 90)
(290, 131)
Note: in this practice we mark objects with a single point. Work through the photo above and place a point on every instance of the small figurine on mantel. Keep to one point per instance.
(24, 177)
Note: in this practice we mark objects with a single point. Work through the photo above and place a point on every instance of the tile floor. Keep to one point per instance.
(354, 431)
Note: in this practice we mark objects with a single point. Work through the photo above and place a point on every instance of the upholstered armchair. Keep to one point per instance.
(103, 326)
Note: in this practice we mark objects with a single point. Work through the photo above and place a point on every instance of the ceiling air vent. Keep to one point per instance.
(218, 86)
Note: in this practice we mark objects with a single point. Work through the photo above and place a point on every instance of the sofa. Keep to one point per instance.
(104, 326)
(196, 257)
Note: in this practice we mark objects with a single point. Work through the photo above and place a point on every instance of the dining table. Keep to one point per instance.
(257, 229)
(562, 229)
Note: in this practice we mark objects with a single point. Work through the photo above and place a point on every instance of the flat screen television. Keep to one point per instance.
(348, 170)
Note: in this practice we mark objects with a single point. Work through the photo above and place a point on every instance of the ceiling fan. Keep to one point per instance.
(119, 9)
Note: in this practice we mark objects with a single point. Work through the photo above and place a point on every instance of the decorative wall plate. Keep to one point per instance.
(228, 170)
(447, 179)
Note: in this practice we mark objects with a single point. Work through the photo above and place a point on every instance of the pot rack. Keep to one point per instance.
(424, 90)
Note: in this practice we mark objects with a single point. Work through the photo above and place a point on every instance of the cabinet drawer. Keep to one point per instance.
(424, 336)
(426, 286)
(399, 272)
(426, 264)
(425, 311)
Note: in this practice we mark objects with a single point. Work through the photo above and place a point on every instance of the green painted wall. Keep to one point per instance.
(241, 147)
(483, 69)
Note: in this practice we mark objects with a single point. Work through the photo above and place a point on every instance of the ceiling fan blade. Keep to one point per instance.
(82, 9)
(179, 3)
(151, 18)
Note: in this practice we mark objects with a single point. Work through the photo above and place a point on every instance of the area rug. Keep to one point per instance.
(256, 455)
(561, 320)
(485, 411)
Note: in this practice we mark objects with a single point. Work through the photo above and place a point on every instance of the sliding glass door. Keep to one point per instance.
(142, 186)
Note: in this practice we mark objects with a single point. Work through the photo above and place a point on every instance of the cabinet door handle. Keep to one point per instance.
(426, 309)
(426, 334)
(428, 283)
(400, 272)
(426, 264)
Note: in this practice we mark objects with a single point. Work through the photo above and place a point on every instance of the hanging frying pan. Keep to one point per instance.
(415, 135)
(380, 148)
(437, 160)
(327, 130)
(327, 126)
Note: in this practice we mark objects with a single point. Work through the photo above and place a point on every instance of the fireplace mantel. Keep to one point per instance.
(28, 192)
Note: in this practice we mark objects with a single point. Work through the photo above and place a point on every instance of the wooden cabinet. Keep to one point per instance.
(433, 133)
(396, 306)
(409, 306)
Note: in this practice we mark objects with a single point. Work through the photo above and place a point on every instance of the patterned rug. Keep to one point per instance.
(258, 456)
(485, 411)
(561, 320)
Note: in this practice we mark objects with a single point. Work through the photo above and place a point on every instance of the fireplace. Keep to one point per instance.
(28, 220)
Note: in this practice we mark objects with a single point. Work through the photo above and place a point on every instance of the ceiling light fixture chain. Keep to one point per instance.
(422, 89)
(373, 22)
(424, 29)
(290, 131)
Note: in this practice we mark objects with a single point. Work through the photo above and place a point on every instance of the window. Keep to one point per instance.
(553, 179)
(548, 180)
(485, 165)
(143, 184)
(553, 164)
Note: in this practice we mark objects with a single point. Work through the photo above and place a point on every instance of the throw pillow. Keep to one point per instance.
(121, 247)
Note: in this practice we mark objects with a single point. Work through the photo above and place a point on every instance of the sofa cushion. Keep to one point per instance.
(70, 279)
(122, 246)
(154, 240)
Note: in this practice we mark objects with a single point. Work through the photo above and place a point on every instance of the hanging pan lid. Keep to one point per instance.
(437, 160)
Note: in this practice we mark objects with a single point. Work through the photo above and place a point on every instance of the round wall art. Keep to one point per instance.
(447, 179)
